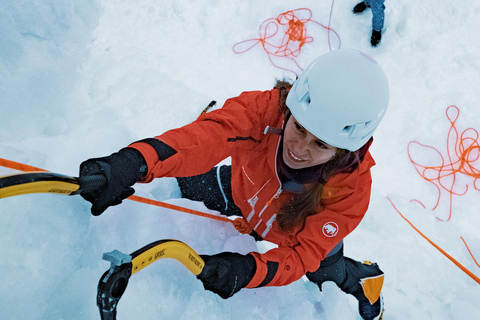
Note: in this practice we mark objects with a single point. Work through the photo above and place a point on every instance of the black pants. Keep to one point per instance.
(214, 190)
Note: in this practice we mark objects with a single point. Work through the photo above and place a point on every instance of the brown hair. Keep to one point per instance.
(302, 205)
(284, 86)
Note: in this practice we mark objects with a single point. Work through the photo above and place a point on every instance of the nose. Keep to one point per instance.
(301, 147)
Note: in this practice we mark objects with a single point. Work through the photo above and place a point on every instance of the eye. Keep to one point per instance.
(298, 127)
(321, 145)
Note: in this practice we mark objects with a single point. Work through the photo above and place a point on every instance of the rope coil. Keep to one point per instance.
(463, 157)
(294, 38)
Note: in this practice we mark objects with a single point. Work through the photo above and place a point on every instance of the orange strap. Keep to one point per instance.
(458, 264)
(239, 223)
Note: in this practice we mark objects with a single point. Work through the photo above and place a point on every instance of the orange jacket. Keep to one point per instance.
(240, 130)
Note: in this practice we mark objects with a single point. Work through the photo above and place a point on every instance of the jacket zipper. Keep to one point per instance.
(270, 221)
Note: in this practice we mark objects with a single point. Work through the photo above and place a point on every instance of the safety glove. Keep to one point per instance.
(227, 272)
(121, 170)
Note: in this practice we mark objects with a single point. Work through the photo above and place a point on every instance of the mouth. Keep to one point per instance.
(294, 157)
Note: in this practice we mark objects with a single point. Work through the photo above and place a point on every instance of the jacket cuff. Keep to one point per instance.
(260, 272)
(265, 272)
(149, 154)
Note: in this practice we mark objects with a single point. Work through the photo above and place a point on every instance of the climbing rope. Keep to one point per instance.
(462, 158)
(285, 36)
(458, 264)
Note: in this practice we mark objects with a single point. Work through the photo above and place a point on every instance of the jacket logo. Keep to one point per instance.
(330, 229)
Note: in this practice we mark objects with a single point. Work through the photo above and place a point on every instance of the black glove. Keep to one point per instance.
(227, 272)
(122, 169)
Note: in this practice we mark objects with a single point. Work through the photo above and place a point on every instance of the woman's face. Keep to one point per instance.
(301, 149)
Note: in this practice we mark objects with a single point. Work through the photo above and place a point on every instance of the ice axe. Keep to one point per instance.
(114, 281)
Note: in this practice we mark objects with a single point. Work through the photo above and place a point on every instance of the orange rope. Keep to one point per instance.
(458, 264)
(471, 254)
(239, 223)
(463, 158)
(290, 44)
(18, 166)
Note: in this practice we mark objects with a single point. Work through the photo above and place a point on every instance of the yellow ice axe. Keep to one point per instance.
(114, 281)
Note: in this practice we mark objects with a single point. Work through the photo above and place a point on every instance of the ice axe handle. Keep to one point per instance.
(91, 183)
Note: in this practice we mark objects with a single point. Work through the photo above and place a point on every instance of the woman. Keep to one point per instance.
(300, 175)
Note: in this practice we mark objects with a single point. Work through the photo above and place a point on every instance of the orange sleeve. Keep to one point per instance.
(210, 139)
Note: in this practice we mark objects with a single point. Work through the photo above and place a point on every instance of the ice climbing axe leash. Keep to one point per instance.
(114, 281)
(41, 181)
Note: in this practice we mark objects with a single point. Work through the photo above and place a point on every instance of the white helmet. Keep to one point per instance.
(341, 97)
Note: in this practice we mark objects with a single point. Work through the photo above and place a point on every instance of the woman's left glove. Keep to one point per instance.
(227, 272)
(121, 169)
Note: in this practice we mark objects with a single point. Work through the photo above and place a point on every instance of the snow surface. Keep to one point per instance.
(84, 78)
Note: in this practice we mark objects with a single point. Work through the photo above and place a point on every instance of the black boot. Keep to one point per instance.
(371, 311)
(376, 37)
(359, 8)
(351, 276)
(367, 310)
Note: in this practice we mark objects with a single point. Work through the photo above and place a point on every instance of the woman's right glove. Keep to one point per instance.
(227, 272)
(121, 169)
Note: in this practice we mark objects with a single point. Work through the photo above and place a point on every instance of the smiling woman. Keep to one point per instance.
(300, 175)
